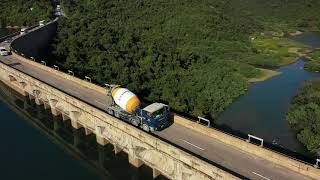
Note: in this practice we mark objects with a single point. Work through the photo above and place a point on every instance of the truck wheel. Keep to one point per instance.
(145, 127)
(134, 122)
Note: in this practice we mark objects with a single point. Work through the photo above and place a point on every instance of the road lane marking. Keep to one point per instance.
(261, 176)
(192, 144)
(100, 103)
(76, 92)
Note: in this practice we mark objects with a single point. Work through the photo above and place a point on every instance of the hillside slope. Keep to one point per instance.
(24, 13)
(195, 55)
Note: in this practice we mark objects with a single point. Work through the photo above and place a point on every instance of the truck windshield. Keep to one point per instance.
(159, 113)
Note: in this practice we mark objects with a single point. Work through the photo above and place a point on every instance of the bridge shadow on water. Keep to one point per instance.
(98, 159)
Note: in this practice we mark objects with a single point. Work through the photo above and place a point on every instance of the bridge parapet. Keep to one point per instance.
(140, 146)
(241, 144)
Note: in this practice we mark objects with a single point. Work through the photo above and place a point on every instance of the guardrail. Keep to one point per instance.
(9, 36)
(255, 137)
(200, 120)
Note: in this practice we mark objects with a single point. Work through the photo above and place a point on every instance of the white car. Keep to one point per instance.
(4, 51)
(23, 31)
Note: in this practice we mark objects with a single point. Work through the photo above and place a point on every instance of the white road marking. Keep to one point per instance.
(73, 91)
(192, 144)
(261, 176)
(103, 104)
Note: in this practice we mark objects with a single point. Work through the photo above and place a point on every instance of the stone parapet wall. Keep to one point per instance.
(167, 159)
(255, 150)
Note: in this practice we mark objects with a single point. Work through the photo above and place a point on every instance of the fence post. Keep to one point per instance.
(317, 163)
(71, 72)
(254, 137)
(56, 67)
(203, 119)
(87, 78)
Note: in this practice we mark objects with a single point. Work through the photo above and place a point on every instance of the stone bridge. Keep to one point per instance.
(141, 147)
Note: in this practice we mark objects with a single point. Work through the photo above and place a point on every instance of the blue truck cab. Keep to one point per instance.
(155, 117)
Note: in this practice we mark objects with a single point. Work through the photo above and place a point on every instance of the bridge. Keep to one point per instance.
(185, 150)
(98, 159)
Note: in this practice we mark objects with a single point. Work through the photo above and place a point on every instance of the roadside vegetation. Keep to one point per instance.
(24, 13)
(196, 56)
(304, 115)
(313, 63)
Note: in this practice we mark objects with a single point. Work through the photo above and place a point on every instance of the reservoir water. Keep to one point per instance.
(35, 145)
(262, 110)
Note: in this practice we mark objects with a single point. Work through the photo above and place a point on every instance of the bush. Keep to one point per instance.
(304, 115)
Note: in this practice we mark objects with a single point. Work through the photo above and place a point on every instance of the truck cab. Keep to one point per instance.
(155, 117)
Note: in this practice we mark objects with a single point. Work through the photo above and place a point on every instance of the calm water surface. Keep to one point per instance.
(262, 111)
(311, 38)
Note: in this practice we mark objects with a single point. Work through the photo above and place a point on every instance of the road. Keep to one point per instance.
(224, 155)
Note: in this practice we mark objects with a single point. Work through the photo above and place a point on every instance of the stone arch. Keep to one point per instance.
(74, 115)
(36, 92)
(53, 102)
(12, 78)
(23, 84)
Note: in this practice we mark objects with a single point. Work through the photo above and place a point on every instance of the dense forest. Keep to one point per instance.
(195, 55)
(304, 115)
(313, 64)
(24, 13)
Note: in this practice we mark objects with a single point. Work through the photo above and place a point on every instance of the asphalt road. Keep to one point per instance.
(212, 149)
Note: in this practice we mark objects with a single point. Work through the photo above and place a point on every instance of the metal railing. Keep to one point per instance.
(255, 137)
(88, 78)
(201, 119)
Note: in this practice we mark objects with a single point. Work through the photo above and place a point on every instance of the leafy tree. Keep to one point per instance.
(304, 115)
(24, 13)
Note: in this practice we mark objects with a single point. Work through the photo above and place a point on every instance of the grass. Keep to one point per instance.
(283, 50)
(264, 75)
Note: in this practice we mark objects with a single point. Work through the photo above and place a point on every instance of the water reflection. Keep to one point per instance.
(262, 111)
(96, 162)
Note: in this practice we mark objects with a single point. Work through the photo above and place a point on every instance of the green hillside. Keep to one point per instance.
(195, 55)
(24, 13)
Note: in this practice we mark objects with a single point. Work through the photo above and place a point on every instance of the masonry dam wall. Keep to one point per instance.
(140, 146)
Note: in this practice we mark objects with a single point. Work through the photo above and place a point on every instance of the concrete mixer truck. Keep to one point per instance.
(126, 106)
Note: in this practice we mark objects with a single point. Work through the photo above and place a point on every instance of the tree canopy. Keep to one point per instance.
(195, 55)
(24, 13)
(304, 115)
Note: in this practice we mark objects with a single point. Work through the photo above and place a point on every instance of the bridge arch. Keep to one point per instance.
(12, 78)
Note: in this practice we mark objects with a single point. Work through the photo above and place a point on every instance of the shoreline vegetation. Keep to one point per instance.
(196, 56)
(191, 55)
(265, 75)
(304, 115)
